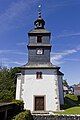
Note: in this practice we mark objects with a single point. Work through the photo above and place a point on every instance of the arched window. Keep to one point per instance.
(38, 75)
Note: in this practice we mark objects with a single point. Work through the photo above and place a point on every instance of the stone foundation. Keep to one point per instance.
(55, 117)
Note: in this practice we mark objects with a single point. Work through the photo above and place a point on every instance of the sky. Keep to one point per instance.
(62, 19)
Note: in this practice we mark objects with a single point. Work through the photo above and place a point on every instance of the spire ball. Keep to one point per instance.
(39, 6)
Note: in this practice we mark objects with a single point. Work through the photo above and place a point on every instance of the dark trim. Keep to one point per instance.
(35, 34)
(23, 72)
(60, 73)
(6, 106)
(18, 73)
(23, 68)
(39, 46)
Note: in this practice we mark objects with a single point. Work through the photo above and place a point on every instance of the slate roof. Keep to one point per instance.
(41, 45)
(39, 65)
(39, 31)
(42, 66)
(60, 73)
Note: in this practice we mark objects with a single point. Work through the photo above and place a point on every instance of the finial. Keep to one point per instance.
(39, 11)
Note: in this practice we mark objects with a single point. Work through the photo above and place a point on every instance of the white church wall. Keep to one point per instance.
(61, 94)
(40, 87)
(18, 87)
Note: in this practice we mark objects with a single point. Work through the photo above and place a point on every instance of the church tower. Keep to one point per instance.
(39, 43)
(39, 84)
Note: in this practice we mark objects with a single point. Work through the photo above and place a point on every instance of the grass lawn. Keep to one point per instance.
(72, 110)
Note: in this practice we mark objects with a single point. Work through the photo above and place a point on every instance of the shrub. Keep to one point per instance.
(72, 97)
(26, 115)
(17, 107)
(70, 100)
(18, 102)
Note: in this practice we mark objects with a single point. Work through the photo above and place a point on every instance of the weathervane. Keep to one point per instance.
(39, 11)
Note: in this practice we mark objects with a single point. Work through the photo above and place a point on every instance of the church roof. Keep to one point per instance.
(39, 31)
(41, 45)
(39, 65)
(60, 73)
(39, 24)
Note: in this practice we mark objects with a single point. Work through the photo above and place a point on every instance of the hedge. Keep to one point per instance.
(72, 97)
(26, 115)
(18, 102)
(17, 107)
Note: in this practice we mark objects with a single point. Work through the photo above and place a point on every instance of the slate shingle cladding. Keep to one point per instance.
(39, 61)
(33, 45)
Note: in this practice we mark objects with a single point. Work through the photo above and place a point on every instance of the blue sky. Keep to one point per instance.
(62, 20)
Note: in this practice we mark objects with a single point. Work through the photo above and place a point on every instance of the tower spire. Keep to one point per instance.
(39, 23)
(39, 11)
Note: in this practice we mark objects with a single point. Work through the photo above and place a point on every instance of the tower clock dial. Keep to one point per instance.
(40, 51)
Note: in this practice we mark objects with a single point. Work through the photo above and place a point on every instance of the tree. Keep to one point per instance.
(65, 83)
(8, 83)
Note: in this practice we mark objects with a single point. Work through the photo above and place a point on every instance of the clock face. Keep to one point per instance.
(40, 51)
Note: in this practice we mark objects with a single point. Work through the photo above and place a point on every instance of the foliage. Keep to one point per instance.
(26, 115)
(17, 107)
(70, 100)
(72, 97)
(18, 102)
(67, 104)
(65, 83)
(7, 84)
(72, 110)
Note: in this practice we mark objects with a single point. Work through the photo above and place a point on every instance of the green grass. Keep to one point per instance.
(72, 110)
(71, 105)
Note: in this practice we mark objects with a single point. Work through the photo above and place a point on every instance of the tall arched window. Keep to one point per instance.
(38, 75)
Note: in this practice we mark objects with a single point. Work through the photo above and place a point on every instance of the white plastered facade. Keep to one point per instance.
(50, 86)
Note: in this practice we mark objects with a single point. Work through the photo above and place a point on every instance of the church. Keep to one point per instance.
(39, 84)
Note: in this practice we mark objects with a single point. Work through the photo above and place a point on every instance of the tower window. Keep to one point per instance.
(39, 75)
(39, 39)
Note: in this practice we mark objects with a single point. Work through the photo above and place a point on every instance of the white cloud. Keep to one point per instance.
(73, 59)
(7, 59)
(14, 12)
(69, 35)
(57, 57)
(70, 51)
(14, 62)
(12, 52)
(10, 63)
(78, 48)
